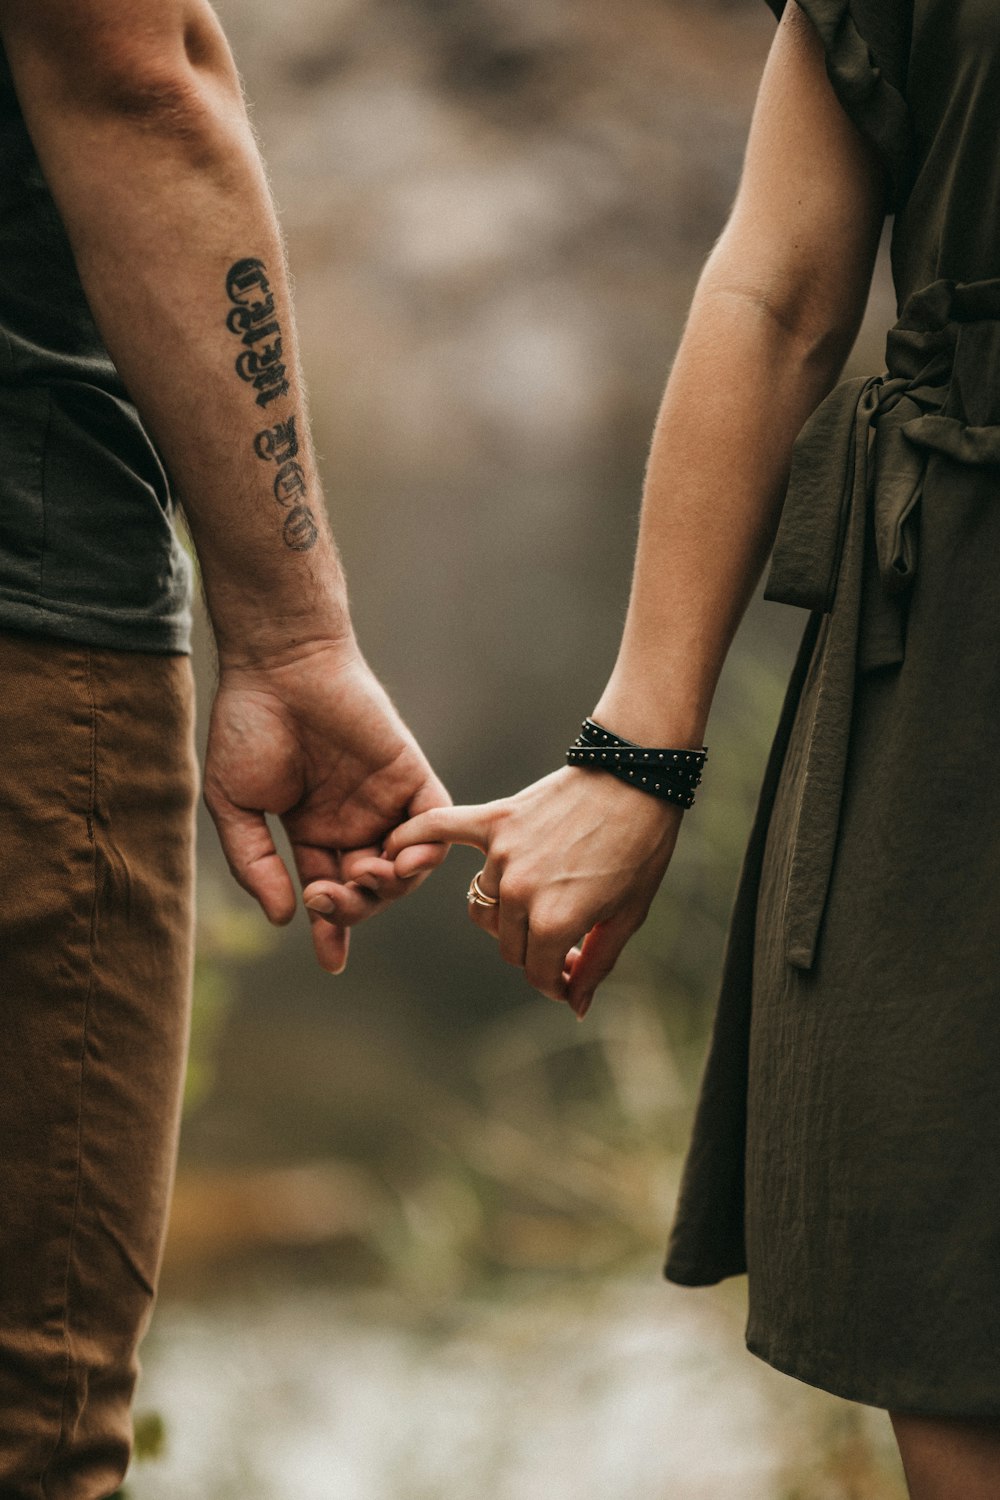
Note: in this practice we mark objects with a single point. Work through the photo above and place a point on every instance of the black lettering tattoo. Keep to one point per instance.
(264, 372)
(252, 318)
(280, 443)
(250, 321)
(289, 484)
(244, 279)
(300, 531)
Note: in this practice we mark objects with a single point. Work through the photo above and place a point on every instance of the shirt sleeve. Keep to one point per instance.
(867, 47)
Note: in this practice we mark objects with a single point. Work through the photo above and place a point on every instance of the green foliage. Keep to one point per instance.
(567, 1159)
(149, 1437)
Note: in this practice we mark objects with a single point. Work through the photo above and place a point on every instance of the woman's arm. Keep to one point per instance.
(775, 313)
(774, 316)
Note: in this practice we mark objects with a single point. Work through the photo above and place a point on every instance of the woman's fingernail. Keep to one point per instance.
(583, 1007)
(412, 874)
(322, 905)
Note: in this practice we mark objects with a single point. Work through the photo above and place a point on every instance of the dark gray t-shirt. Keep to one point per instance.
(87, 548)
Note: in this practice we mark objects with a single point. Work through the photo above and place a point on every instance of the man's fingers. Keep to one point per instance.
(330, 944)
(343, 905)
(365, 886)
(253, 859)
(420, 859)
(391, 879)
(443, 825)
(432, 794)
(367, 868)
(599, 952)
(330, 926)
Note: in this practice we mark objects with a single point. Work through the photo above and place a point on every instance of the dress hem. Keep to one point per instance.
(691, 1275)
(816, 1377)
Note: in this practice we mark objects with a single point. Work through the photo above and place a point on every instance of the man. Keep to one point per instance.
(135, 223)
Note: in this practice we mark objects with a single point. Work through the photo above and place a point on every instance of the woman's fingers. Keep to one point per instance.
(528, 939)
(532, 844)
(553, 962)
(572, 958)
(544, 947)
(547, 956)
(512, 929)
(599, 952)
(485, 917)
(444, 825)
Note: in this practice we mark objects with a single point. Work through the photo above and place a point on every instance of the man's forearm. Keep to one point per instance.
(149, 155)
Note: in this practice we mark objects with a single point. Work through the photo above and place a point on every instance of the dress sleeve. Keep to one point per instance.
(867, 46)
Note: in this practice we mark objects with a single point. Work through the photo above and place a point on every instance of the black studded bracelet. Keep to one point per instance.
(669, 774)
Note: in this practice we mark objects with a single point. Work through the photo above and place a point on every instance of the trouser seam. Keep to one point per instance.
(88, 995)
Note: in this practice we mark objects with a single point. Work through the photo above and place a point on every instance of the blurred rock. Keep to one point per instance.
(219, 1217)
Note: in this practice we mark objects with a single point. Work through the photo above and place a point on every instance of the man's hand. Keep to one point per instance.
(315, 740)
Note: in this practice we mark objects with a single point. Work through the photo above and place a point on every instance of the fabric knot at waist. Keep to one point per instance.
(847, 542)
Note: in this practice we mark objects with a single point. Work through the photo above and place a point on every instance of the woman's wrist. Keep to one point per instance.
(651, 718)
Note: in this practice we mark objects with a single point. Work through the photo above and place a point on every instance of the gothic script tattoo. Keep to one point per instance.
(253, 319)
(281, 444)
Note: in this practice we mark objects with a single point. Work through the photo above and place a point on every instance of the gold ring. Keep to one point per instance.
(478, 896)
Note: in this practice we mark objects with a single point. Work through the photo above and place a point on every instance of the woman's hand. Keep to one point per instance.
(575, 860)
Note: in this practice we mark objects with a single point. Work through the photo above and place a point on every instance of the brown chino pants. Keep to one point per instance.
(97, 785)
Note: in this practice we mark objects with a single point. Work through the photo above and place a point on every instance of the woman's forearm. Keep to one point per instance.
(773, 318)
(744, 380)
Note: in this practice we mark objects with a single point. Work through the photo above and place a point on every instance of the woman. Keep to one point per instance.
(847, 1143)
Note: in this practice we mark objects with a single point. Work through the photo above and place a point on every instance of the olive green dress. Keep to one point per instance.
(846, 1149)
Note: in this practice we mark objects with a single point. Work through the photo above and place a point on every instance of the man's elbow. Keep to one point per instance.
(175, 74)
(146, 87)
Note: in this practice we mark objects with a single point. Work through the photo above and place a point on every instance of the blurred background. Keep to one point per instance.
(421, 1214)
